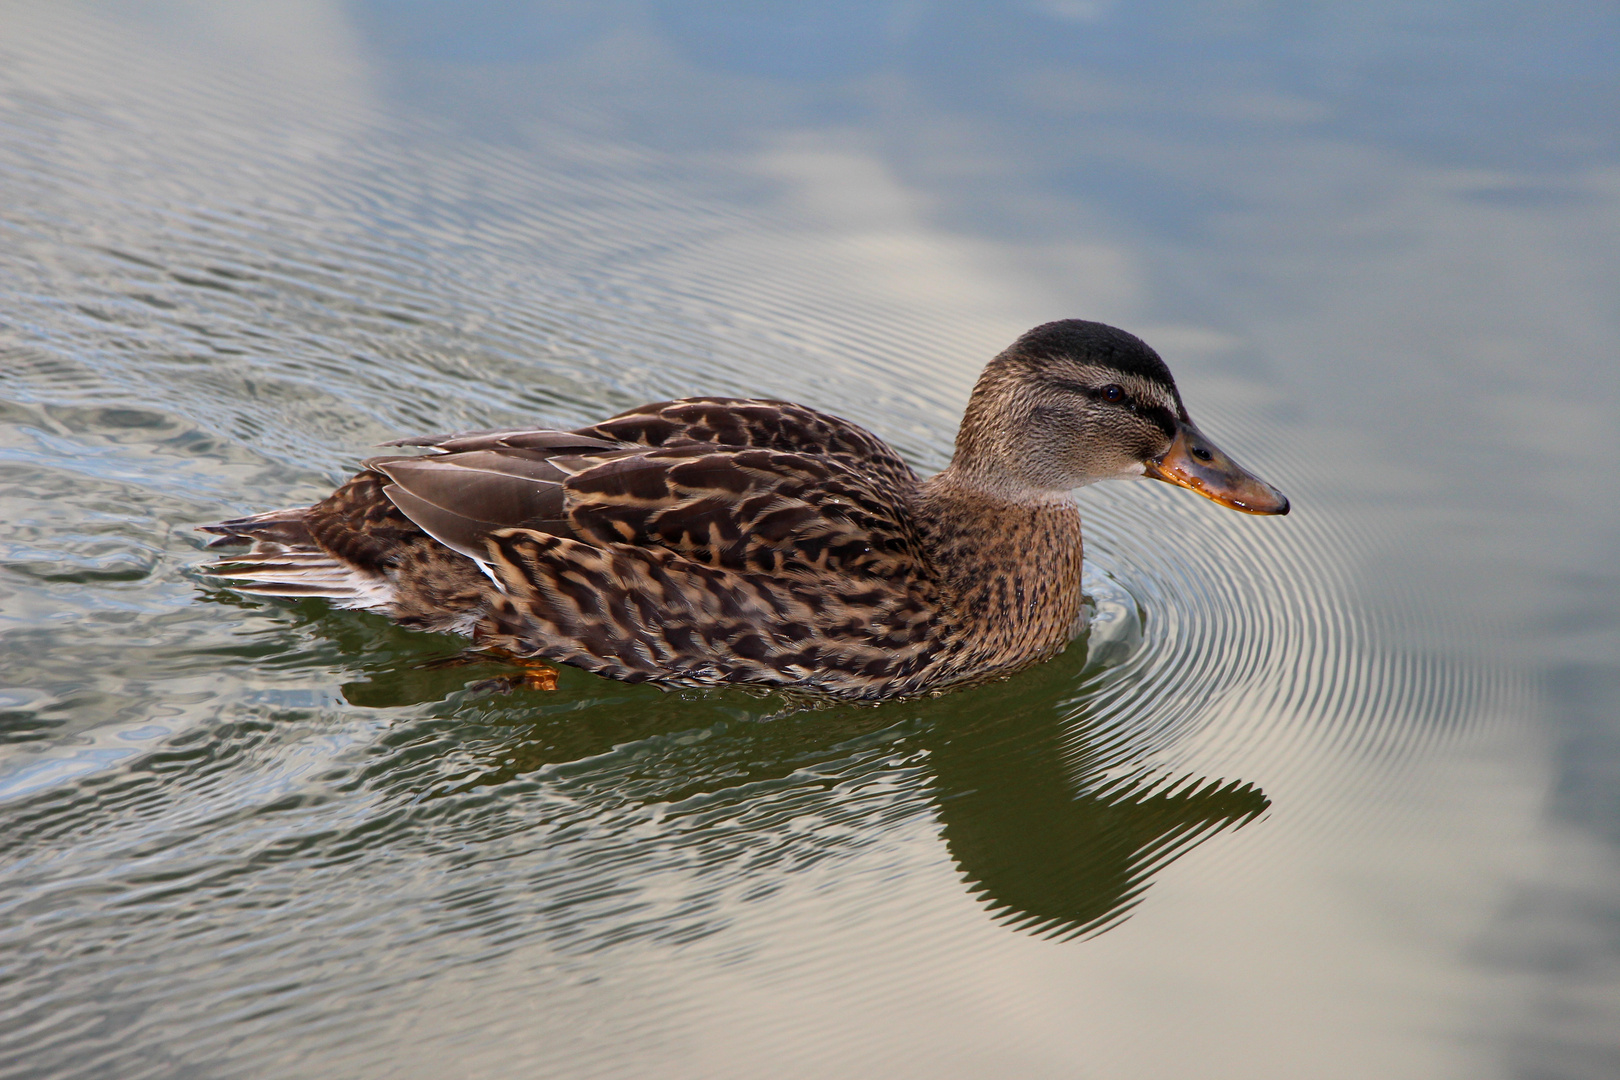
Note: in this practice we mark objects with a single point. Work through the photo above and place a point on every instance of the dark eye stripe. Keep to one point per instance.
(1162, 417)
(1158, 415)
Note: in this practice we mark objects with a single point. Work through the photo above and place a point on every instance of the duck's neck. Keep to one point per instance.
(1009, 557)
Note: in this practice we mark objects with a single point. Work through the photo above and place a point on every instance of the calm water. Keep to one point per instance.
(1336, 795)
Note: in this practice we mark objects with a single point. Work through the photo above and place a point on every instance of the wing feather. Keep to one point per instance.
(756, 511)
(472, 489)
(754, 486)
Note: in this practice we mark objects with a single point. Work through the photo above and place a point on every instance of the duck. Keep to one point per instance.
(716, 541)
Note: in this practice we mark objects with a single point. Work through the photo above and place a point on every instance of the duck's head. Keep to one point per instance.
(1074, 402)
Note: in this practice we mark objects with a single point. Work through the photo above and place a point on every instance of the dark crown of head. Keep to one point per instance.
(1092, 343)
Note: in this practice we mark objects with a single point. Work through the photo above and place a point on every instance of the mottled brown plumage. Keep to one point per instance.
(716, 540)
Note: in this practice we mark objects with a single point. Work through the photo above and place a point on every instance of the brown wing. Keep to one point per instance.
(680, 560)
(753, 511)
(756, 511)
(802, 492)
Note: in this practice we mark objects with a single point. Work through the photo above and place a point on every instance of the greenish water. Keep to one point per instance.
(1330, 795)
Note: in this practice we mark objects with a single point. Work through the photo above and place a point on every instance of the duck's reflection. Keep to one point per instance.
(1062, 853)
(1047, 811)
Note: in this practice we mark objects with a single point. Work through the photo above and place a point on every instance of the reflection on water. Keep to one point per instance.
(243, 244)
(1056, 862)
(1054, 824)
(1057, 830)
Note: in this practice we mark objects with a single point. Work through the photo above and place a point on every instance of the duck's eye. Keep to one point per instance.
(1113, 393)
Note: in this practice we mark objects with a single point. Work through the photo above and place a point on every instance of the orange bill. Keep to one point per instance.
(1196, 463)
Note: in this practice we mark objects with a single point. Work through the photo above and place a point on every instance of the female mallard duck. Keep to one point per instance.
(719, 540)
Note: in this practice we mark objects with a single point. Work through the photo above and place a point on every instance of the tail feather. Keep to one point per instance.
(288, 528)
(299, 590)
(285, 561)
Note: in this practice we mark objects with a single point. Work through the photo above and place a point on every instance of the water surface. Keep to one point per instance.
(1331, 795)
